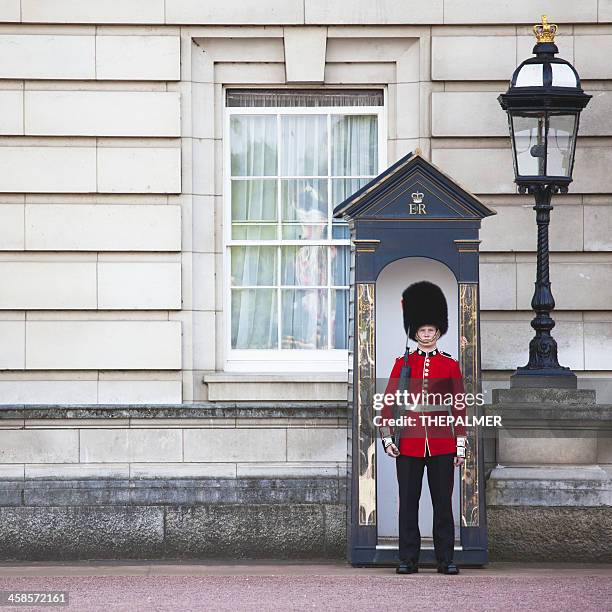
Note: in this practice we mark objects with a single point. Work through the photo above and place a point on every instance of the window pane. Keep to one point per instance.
(253, 265)
(254, 231)
(529, 143)
(339, 322)
(354, 148)
(254, 200)
(254, 319)
(340, 230)
(253, 145)
(344, 188)
(560, 145)
(300, 231)
(304, 203)
(304, 200)
(340, 264)
(304, 265)
(304, 318)
(304, 145)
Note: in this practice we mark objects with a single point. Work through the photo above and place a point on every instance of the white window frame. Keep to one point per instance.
(283, 360)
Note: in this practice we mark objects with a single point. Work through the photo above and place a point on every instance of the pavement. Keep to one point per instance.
(261, 586)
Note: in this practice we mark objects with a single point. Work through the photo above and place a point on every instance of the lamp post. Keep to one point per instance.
(543, 102)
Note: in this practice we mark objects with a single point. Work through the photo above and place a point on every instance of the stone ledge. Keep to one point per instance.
(578, 486)
(172, 491)
(310, 377)
(554, 416)
(199, 410)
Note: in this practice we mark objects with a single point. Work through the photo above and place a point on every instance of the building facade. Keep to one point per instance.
(173, 302)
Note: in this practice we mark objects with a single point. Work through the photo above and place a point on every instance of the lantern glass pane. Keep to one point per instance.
(560, 151)
(529, 140)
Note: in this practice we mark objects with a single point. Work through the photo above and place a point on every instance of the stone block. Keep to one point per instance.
(92, 11)
(12, 347)
(379, 12)
(597, 227)
(467, 167)
(101, 113)
(597, 338)
(231, 445)
(11, 118)
(518, 11)
(518, 447)
(505, 344)
(103, 227)
(549, 534)
(48, 169)
(39, 285)
(82, 532)
(468, 58)
(498, 286)
(514, 227)
(590, 52)
(139, 285)
(105, 345)
(29, 391)
(592, 169)
(203, 281)
(139, 392)
(574, 287)
(247, 12)
(138, 58)
(39, 446)
(316, 445)
(289, 531)
(305, 54)
(130, 445)
(47, 56)
(139, 170)
(467, 113)
(12, 237)
(10, 11)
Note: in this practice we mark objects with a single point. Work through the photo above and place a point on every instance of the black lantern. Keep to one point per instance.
(543, 103)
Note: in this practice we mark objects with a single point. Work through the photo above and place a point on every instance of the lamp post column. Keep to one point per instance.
(543, 347)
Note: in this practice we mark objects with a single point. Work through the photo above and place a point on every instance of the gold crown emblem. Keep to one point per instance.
(545, 32)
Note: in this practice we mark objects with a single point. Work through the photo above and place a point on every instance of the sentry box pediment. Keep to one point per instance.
(413, 209)
(412, 222)
(412, 189)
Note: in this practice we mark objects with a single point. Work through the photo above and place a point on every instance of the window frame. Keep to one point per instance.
(279, 359)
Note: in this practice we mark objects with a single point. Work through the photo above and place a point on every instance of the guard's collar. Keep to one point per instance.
(433, 352)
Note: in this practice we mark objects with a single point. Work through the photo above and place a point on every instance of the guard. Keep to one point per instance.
(418, 428)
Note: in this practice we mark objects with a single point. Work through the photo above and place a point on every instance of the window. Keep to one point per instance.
(292, 157)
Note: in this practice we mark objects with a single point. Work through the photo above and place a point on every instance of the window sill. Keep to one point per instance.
(257, 387)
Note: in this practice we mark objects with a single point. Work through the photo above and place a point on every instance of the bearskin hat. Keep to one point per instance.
(424, 304)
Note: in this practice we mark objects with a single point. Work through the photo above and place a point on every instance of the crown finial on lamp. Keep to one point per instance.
(545, 32)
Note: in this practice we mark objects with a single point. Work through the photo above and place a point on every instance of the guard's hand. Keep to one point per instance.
(392, 450)
(458, 460)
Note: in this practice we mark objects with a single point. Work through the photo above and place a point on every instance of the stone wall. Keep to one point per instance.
(173, 482)
(113, 126)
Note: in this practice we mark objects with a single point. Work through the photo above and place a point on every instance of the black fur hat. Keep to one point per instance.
(424, 304)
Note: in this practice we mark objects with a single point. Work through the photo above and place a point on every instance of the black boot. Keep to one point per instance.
(407, 567)
(448, 568)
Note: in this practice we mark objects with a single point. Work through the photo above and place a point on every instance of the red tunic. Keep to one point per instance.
(434, 373)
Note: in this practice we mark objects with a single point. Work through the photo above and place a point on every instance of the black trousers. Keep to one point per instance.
(441, 477)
